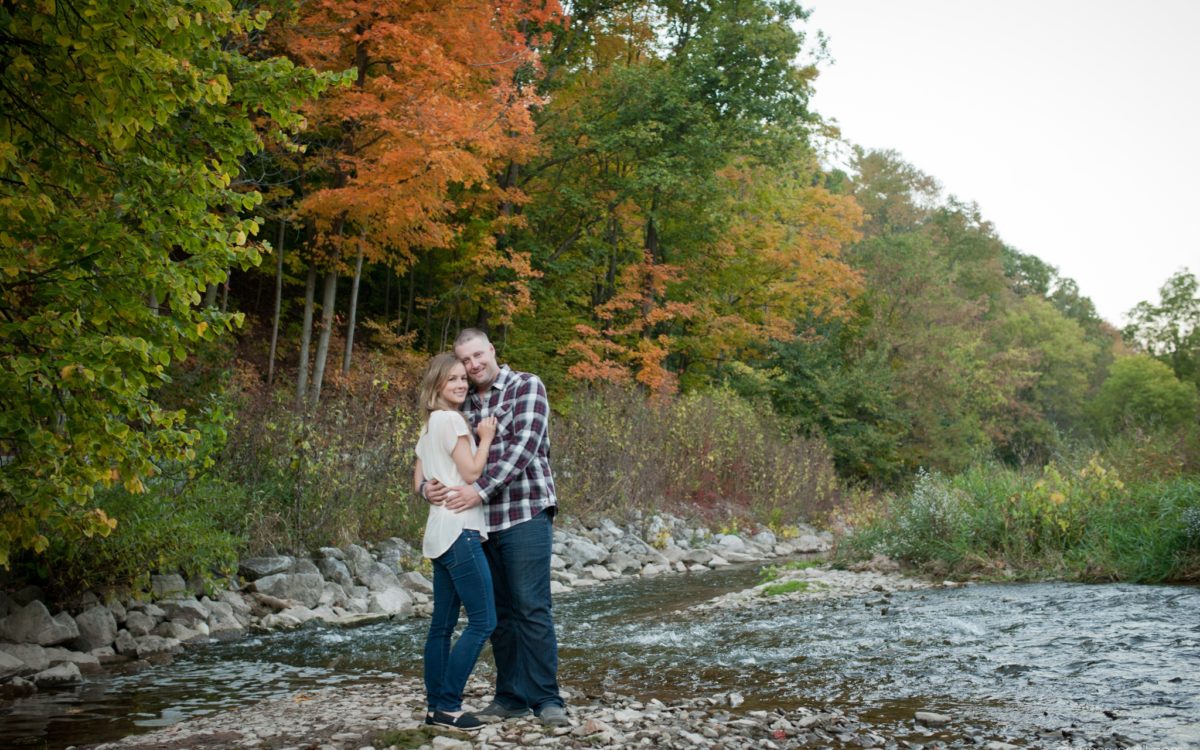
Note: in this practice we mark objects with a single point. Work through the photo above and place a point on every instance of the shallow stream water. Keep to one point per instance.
(1014, 658)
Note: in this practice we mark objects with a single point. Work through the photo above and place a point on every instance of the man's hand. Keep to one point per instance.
(436, 492)
(461, 498)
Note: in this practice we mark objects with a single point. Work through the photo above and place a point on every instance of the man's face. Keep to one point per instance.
(479, 357)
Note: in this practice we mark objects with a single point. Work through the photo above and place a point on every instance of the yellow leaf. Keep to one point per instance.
(201, 327)
(66, 371)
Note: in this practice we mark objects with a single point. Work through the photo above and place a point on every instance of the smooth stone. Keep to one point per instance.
(378, 577)
(931, 719)
(31, 655)
(139, 623)
(260, 567)
(63, 674)
(394, 601)
(304, 588)
(11, 666)
(186, 612)
(32, 623)
(334, 570)
(414, 581)
(148, 645)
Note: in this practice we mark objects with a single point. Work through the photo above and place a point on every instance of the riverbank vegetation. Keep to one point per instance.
(224, 260)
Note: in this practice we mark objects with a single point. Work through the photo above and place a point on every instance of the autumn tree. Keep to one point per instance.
(121, 128)
(402, 162)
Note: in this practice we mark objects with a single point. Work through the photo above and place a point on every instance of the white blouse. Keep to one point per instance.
(435, 448)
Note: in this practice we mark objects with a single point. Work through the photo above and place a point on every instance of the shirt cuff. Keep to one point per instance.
(483, 495)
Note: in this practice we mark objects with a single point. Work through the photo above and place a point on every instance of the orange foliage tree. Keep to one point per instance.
(398, 157)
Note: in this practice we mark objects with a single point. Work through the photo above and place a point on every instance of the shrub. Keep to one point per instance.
(709, 452)
(1142, 392)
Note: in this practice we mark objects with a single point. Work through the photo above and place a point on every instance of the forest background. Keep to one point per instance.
(233, 234)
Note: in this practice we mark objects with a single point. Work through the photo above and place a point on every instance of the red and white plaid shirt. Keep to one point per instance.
(517, 484)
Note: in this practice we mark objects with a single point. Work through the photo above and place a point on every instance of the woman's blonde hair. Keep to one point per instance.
(429, 395)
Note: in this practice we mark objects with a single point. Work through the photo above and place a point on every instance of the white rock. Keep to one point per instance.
(97, 627)
(394, 601)
(32, 655)
(63, 674)
(414, 581)
(33, 624)
(558, 588)
(11, 666)
(139, 623)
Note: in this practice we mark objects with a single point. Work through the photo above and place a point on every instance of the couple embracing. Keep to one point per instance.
(489, 534)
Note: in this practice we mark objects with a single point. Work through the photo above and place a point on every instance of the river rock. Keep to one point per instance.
(378, 577)
(652, 570)
(222, 622)
(580, 553)
(304, 588)
(11, 666)
(621, 562)
(335, 570)
(280, 621)
(60, 676)
(148, 645)
(31, 655)
(415, 582)
(87, 663)
(394, 551)
(931, 719)
(237, 602)
(702, 556)
(394, 601)
(125, 644)
(170, 584)
(178, 631)
(32, 623)
(557, 587)
(186, 612)
(139, 623)
(118, 611)
(729, 542)
(260, 567)
(357, 559)
(333, 595)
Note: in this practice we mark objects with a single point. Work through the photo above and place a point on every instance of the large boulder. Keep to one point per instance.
(378, 577)
(60, 676)
(261, 567)
(394, 601)
(33, 624)
(335, 570)
(126, 644)
(178, 631)
(138, 623)
(414, 581)
(33, 656)
(87, 663)
(11, 666)
(395, 551)
(170, 584)
(186, 612)
(149, 645)
(579, 552)
(357, 559)
(304, 588)
(730, 543)
(97, 627)
(223, 622)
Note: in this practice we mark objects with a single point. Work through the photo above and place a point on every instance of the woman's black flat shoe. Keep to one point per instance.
(462, 721)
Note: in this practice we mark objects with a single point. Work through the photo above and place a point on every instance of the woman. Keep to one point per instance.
(446, 451)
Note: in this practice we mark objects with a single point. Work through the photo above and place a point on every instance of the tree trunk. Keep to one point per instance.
(278, 303)
(327, 302)
(225, 296)
(353, 312)
(210, 295)
(310, 289)
(412, 291)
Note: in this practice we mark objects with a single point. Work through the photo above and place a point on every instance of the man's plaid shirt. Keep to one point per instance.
(517, 484)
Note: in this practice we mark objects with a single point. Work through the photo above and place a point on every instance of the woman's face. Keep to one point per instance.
(454, 390)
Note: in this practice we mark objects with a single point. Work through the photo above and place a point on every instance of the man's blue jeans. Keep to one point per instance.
(524, 644)
(461, 578)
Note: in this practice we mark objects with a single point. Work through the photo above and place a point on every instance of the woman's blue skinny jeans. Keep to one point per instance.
(461, 579)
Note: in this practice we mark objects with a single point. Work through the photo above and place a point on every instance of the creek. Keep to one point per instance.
(1021, 657)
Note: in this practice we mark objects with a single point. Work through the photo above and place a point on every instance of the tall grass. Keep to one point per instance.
(1072, 519)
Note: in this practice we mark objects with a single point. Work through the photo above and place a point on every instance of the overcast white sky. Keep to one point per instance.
(1075, 125)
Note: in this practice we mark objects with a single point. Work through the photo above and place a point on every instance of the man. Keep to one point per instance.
(517, 492)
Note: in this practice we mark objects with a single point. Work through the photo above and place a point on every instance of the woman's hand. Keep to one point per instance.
(486, 429)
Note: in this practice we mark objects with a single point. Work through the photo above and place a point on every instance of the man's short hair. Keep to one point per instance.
(469, 334)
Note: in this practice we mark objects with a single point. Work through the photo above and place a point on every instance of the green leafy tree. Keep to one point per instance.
(1170, 330)
(122, 123)
(1143, 392)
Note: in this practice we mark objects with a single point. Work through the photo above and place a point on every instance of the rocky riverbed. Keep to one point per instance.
(391, 716)
(348, 586)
